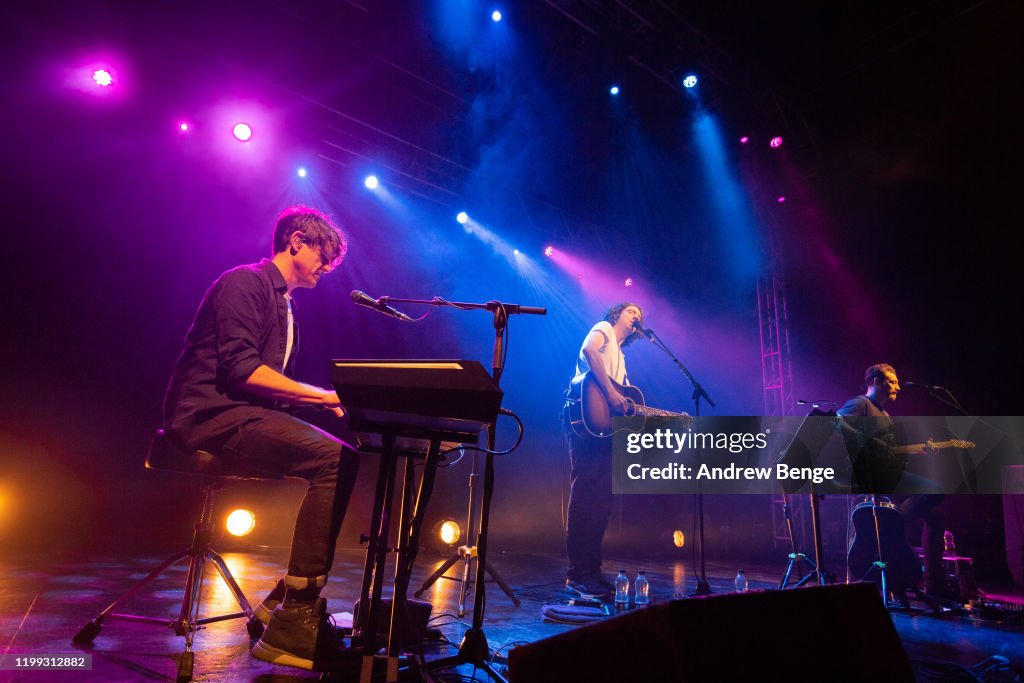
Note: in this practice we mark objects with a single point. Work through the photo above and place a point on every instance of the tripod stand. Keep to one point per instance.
(796, 558)
(469, 551)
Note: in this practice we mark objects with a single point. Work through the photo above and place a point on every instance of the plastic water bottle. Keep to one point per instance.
(741, 581)
(642, 590)
(621, 589)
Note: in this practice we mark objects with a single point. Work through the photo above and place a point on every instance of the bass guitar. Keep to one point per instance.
(589, 412)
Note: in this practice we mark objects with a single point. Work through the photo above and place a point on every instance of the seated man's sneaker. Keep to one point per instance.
(300, 634)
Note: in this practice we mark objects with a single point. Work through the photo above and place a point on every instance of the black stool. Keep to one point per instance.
(213, 472)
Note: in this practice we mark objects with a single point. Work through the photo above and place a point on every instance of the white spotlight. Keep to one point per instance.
(241, 522)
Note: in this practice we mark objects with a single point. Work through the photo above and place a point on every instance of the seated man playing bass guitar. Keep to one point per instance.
(590, 493)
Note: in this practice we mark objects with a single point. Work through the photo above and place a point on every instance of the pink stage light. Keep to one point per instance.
(781, 200)
(548, 251)
(744, 140)
(242, 131)
(776, 141)
(102, 77)
(629, 282)
(184, 127)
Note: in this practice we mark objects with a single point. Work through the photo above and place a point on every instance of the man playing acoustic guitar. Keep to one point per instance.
(590, 493)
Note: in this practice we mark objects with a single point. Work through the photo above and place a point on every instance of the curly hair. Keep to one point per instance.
(317, 229)
(612, 316)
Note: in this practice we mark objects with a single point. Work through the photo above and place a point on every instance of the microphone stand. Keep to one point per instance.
(951, 401)
(474, 649)
(703, 588)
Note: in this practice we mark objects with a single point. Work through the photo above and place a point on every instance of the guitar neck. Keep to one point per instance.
(937, 445)
(648, 411)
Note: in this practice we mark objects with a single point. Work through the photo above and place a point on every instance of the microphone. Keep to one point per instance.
(925, 387)
(643, 330)
(814, 404)
(364, 299)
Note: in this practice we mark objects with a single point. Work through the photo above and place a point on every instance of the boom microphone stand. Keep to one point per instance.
(474, 649)
(703, 588)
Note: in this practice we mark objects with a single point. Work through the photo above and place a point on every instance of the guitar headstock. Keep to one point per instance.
(958, 443)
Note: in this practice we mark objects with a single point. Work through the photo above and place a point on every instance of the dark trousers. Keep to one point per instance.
(279, 445)
(590, 503)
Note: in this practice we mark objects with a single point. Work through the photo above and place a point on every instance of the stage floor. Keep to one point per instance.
(44, 602)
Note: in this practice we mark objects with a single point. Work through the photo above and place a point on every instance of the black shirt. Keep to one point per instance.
(242, 323)
(870, 437)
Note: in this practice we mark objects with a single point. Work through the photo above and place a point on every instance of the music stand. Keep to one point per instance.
(803, 449)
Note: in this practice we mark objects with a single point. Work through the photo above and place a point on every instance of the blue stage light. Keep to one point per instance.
(495, 16)
(690, 81)
(462, 217)
(371, 182)
(614, 90)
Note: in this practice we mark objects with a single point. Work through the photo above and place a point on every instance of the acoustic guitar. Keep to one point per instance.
(902, 566)
(589, 412)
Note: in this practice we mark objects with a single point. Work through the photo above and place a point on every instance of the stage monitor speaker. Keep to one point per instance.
(827, 633)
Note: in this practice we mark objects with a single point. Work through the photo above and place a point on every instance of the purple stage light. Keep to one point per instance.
(744, 140)
(776, 141)
(301, 172)
(102, 77)
(548, 251)
(781, 200)
(184, 127)
(629, 282)
(462, 217)
(242, 131)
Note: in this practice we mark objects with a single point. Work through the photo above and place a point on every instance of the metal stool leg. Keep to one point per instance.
(188, 621)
